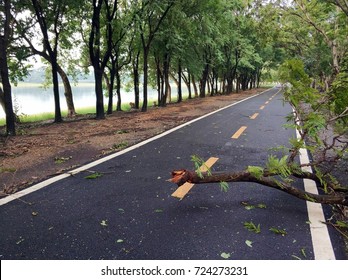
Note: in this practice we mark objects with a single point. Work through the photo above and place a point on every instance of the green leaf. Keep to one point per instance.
(278, 166)
(104, 223)
(341, 224)
(261, 206)
(225, 255)
(249, 243)
(303, 252)
(93, 176)
(224, 186)
(198, 162)
(248, 206)
(256, 171)
(252, 227)
(281, 232)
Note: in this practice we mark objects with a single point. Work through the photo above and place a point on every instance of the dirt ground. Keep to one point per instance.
(42, 150)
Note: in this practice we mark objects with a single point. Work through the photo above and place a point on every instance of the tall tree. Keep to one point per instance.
(120, 56)
(54, 16)
(97, 58)
(149, 21)
(51, 13)
(324, 19)
(5, 33)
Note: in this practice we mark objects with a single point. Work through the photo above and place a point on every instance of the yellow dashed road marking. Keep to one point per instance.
(182, 190)
(239, 132)
(209, 163)
(253, 117)
(185, 188)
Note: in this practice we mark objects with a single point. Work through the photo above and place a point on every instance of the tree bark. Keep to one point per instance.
(67, 92)
(203, 81)
(145, 70)
(179, 82)
(135, 64)
(110, 85)
(180, 177)
(187, 81)
(2, 99)
(194, 86)
(57, 111)
(94, 53)
(4, 74)
(118, 91)
(167, 88)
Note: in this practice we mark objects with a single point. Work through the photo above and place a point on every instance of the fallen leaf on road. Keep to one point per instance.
(225, 255)
(21, 239)
(94, 176)
(104, 223)
(249, 243)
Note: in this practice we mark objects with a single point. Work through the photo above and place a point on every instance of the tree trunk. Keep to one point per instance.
(98, 75)
(179, 82)
(110, 86)
(194, 86)
(145, 69)
(2, 99)
(94, 55)
(167, 88)
(4, 74)
(67, 92)
(57, 111)
(136, 80)
(118, 92)
(189, 85)
(159, 78)
(203, 81)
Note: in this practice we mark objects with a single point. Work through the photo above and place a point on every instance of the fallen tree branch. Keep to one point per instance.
(180, 177)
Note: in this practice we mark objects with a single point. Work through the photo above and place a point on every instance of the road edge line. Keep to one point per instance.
(321, 241)
(87, 166)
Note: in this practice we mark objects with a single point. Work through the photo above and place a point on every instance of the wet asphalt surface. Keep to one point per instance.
(129, 213)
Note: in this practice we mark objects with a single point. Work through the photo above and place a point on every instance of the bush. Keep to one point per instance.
(339, 91)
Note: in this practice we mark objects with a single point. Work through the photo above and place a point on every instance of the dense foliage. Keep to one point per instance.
(212, 46)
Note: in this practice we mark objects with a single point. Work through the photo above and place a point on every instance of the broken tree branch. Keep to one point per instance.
(180, 177)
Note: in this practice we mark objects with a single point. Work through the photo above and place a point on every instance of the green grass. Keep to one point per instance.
(50, 115)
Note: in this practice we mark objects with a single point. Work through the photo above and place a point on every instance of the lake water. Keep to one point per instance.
(33, 99)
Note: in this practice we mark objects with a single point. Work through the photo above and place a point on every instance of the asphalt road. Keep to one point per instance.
(129, 213)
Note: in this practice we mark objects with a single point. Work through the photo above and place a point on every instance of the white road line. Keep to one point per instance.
(321, 241)
(50, 181)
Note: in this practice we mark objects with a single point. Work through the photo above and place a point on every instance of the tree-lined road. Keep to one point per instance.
(128, 212)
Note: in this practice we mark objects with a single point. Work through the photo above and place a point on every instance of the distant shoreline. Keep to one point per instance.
(41, 85)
